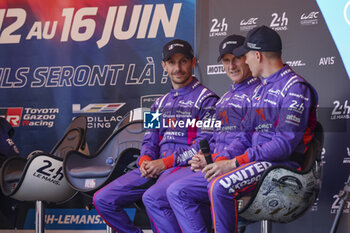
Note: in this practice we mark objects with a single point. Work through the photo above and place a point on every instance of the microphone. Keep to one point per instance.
(204, 146)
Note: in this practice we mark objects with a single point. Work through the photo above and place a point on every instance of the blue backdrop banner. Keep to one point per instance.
(101, 59)
(63, 58)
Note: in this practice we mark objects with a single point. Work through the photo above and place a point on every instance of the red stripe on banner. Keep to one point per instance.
(113, 105)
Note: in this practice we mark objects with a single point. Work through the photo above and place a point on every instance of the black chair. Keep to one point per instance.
(284, 194)
(39, 177)
(117, 156)
(114, 158)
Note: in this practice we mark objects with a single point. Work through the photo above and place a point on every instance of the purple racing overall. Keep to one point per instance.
(188, 196)
(183, 112)
(277, 129)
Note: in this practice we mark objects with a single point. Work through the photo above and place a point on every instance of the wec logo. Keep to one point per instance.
(312, 15)
(249, 21)
(98, 108)
(246, 25)
(309, 19)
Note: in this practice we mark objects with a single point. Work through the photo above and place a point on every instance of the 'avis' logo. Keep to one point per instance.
(324, 61)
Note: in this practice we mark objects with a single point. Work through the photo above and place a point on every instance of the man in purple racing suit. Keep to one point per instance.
(188, 197)
(277, 129)
(181, 118)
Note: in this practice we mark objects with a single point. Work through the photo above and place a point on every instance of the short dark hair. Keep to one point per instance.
(275, 55)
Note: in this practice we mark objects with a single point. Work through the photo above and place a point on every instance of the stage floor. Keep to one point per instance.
(61, 231)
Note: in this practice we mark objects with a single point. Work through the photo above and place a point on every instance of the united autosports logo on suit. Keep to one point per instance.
(12, 115)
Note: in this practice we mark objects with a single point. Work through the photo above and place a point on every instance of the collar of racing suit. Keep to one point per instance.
(277, 76)
(186, 89)
(245, 84)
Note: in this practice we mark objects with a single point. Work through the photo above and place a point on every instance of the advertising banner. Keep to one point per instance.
(61, 59)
